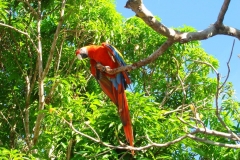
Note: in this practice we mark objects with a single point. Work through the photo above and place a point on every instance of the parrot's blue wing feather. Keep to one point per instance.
(117, 55)
(121, 78)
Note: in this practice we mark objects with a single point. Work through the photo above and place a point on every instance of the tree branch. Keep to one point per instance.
(141, 11)
(35, 14)
(214, 143)
(45, 72)
(41, 96)
(217, 133)
(212, 132)
(26, 110)
(138, 64)
(19, 31)
(222, 12)
(58, 57)
(51, 92)
(229, 70)
(218, 111)
(152, 144)
(210, 65)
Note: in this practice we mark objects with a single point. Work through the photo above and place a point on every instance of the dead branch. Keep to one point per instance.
(173, 35)
(222, 12)
(142, 12)
(218, 110)
(228, 65)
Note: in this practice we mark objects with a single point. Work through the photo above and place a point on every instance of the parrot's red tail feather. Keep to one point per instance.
(125, 115)
(118, 97)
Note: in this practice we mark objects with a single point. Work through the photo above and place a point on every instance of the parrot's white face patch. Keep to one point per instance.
(82, 53)
(83, 50)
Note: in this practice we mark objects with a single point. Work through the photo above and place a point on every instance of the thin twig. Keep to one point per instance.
(202, 62)
(182, 85)
(180, 108)
(35, 14)
(19, 31)
(218, 93)
(94, 131)
(228, 73)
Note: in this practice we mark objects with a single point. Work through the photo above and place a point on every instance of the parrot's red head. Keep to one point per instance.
(82, 53)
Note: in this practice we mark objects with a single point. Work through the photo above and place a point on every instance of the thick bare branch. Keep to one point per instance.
(222, 12)
(141, 11)
(212, 132)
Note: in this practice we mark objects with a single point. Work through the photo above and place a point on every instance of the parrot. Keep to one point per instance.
(113, 86)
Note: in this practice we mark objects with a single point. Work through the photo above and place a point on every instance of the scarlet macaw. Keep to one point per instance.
(113, 85)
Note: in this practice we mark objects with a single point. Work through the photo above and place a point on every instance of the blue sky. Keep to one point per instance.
(200, 14)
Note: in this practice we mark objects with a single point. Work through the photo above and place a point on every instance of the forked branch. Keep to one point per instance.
(142, 12)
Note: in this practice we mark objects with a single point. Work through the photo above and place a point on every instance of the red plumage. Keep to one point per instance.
(112, 85)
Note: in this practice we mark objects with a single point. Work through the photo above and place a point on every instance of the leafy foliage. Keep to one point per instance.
(163, 94)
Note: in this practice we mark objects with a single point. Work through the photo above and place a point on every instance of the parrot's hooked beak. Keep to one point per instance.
(82, 53)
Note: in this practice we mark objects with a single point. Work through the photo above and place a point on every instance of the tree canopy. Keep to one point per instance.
(52, 108)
